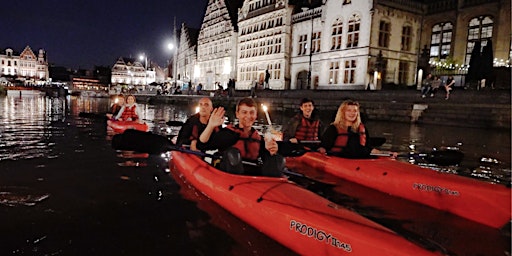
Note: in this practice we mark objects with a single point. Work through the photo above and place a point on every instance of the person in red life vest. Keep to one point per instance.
(242, 142)
(304, 126)
(195, 125)
(130, 111)
(347, 136)
(116, 106)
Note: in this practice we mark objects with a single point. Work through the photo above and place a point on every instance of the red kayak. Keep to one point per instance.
(121, 126)
(482, 202)
(295, 217)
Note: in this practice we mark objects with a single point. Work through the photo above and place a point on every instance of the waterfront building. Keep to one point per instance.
(264, 44)
(27, 67)
(348, 45)
(187, 57)
(217, 44)
(132, 73)
(451, 29)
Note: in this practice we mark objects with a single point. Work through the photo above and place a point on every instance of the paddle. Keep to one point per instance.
(147, 142)
(174, 123)
(92, 115)
(442, 157)
(372, 141)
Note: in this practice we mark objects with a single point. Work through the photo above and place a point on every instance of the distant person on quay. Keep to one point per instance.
(304, 126)
(426, 86)
(195, 125)
(436, 83)
(130, 111)
(243, 142)
(347, 136)
(450, 82)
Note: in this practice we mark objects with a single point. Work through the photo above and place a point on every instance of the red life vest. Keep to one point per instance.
(249, 146)
(307, 130)
(129, 112)
(342, 138)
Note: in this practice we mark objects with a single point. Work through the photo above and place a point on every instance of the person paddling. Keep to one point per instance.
(195, 125)
(242, 142)
(130, 111)
(116, 106)
(347, 136)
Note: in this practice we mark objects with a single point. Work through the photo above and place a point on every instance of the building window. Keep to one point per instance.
(315, 45)
(277, 71)
(337, 28)
(479, 29)
(406, 38)
(353, 31)
(350, 71)
(384, 33)
(441, 40)
(334, 69)
(403, 72)
(303, 44)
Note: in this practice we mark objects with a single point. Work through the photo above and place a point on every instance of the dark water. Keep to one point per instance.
(65, 191)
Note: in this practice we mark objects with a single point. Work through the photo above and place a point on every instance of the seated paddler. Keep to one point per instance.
(242, 143)
(347, 136)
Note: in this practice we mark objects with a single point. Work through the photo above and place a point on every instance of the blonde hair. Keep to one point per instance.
(339, 120)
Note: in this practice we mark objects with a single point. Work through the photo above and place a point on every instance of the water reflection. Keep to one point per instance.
(476, 143)
(27, 125)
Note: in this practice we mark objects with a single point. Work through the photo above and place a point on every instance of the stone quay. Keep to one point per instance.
(484, 108)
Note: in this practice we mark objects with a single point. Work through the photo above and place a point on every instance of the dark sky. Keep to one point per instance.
(81, 34)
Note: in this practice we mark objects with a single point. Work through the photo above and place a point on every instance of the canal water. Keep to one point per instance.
(65, 191)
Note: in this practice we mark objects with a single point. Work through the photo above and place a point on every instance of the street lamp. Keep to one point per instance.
(174, 48)
(144, 58)
(307, 6)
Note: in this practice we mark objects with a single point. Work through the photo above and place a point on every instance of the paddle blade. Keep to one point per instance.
(286, 148)
(375, 142)
(174, 123)
(92, 115)
(445, 157)
(144, 142)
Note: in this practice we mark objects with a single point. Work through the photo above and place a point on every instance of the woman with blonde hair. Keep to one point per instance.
(347, 136)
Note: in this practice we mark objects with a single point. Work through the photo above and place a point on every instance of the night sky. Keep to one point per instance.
(82, 34)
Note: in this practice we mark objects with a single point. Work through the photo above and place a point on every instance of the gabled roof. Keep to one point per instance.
(232, 6)
(193, 34)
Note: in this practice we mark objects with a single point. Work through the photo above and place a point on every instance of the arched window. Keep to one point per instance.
(337, 30)
(354, 23)
(441, 41)
(479, 29)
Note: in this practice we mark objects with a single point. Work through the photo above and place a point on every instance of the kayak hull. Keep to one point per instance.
(482, 202)
(121, 126)
(295, 217)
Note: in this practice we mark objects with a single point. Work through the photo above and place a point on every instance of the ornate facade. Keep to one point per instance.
(187, 57)
(264, 43)
(217, 44)
(128, 71)
(27, 66)
(346, 45)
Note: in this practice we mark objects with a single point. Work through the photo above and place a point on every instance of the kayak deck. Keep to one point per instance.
(482, 202)
(121, 126)
(295, 217)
